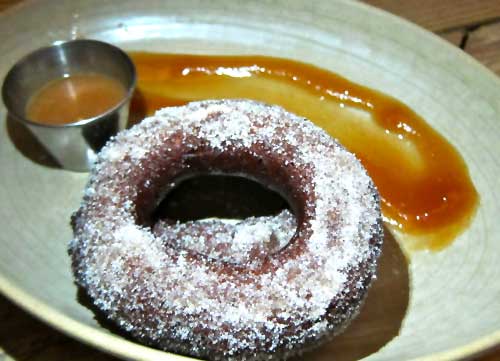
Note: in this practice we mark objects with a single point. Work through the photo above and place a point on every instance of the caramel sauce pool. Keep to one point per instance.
(424, 183)
(74, 98)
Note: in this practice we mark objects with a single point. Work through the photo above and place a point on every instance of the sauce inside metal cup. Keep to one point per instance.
(73, 96)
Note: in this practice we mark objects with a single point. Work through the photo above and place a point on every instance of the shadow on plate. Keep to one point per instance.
(26, 143)
(381, 316)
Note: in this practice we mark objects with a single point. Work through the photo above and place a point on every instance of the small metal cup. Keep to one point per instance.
(73, 145)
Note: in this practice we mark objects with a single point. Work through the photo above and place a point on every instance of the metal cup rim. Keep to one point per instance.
(25, 120)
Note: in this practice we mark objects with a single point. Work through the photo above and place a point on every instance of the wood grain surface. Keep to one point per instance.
(484, 45)
(443, 15)
(473, 25)
(4, 4)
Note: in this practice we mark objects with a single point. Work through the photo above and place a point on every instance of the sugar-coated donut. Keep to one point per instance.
(223, 305)
(247, 241)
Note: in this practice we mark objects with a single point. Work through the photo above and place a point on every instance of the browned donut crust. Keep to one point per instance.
(185, 302)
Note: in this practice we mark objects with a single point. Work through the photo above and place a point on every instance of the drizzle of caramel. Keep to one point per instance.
(425, 186)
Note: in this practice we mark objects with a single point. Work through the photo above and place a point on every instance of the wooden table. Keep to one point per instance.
(472, 25)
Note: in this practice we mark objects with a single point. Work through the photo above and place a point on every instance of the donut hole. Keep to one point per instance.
(219, 196)
(225, 217)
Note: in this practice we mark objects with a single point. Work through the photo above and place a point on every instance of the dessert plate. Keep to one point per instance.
(424, 305)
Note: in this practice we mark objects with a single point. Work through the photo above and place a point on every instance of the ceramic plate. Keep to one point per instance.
(442, 306)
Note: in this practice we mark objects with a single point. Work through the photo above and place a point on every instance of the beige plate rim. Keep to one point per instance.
(122, 348)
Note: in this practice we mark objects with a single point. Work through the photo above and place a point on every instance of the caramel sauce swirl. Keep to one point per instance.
(425, 186)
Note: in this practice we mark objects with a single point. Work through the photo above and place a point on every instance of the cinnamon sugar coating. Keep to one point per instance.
(231, 302)
(247, 241)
